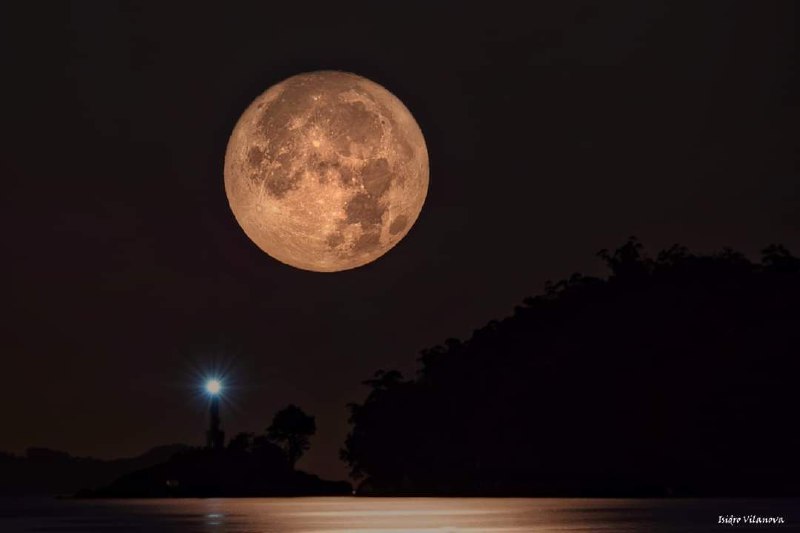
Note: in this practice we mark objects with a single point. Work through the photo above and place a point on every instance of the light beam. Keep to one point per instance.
(213, 386)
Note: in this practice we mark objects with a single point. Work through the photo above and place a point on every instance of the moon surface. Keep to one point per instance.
(326, 171)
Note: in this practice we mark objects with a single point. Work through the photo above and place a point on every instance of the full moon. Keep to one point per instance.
(326, 171)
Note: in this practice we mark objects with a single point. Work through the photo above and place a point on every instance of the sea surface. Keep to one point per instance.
(393, 515)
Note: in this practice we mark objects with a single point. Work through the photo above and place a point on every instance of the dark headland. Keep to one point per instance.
(675, 375)
(229, 472)
(248, 465)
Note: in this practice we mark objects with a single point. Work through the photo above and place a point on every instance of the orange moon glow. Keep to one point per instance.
(326, 171)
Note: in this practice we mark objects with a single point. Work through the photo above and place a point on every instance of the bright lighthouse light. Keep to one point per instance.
(213, 386)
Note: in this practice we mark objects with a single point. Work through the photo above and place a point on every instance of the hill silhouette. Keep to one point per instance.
(42, 471)
(674, 375)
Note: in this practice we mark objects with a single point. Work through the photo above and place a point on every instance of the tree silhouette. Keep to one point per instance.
(778, 258)
(291, 429)
(242, 442)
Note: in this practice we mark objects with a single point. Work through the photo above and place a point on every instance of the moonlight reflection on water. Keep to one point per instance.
(387, 515)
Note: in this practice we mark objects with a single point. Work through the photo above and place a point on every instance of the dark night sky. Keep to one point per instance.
(554, 130)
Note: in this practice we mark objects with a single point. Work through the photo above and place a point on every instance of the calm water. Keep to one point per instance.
(385, 515)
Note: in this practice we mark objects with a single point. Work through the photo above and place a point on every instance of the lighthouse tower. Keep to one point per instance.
(215, 437)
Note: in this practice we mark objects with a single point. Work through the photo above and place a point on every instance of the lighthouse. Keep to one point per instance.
(215, 437)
